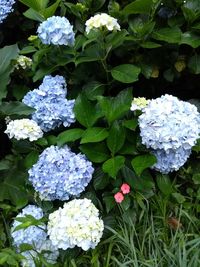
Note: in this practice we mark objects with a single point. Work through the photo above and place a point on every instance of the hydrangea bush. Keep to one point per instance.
(113, 121)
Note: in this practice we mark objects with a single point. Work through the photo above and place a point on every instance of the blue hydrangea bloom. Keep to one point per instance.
(60, 173)
(5, 8)
(52, 109)
(171, 160)
(168, 123)
(32, 235)
(57, 31)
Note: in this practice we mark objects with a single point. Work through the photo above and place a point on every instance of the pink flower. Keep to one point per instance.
(119, 197)
(125, 188)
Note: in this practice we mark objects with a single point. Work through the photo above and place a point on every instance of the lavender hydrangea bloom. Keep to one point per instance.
(5, 8)
(57, 31)
(60, 173)
(52, 108)
(35, 236)
(168, 123)
(170, 160)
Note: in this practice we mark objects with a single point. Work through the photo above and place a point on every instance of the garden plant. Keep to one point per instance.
(100, 124)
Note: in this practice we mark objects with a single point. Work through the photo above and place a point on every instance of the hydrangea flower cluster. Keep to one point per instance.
(170, 160)
(76, 224)
(23, 62)
(102, 20)
(169, 127)
(5, 8)
(52, 108)
(139, 103)
(35, 236)
(48, 251)
(57, 31)
(24, 129)
(60, 173)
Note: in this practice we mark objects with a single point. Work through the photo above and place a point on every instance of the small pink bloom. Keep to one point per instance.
(125, 188)
(119, 197)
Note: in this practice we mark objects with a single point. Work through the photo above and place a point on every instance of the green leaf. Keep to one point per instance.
(25, 247)
(31, 159)
(169, 35)
(190, 39)
(100, 179)
(15, 108)
(7, 54)
(115, 39)
(40, 73)
(34, 15)
(164, 184)
(116, 137)
(115, 107)
(128, 149)
(69, 136)
(42, 142)
(50, 11)
(109, 202)
(150, 45)
(27, 50)
(36, 4)
(191, 10)
(86, 112)
(93, 89)
(194, 64)
(113, 165)
(196, 178)
(169, 75)
(143, 184)
(5, 164)
(95, 152)
(138, 7)
(126, 73)
(179, 198)
(125, 204)
(140, 163)
(131, 124)
(95, 134)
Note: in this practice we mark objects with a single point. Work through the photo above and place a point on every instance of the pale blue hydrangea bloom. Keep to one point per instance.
(34, 236)
(168, 123)
(171, 160)
(57, 31)
(50, 115)
(52, 108)
(5, 8)
(48, 251)
(60, 173)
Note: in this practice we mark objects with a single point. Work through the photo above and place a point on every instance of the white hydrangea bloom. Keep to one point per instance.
(139, 103)
(24, 129)
(102, 20)
(23, 62)
(76, 224)
(169, 123)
